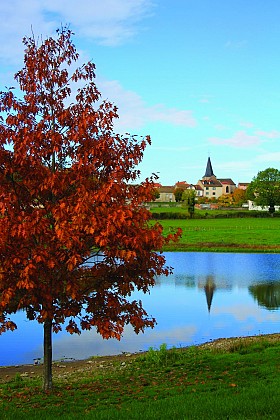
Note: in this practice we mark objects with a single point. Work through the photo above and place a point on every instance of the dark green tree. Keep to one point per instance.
(156, 194)
(178, 194)
(188, 198)
(264, 189)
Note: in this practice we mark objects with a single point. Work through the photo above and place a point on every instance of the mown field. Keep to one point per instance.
(226, 235)
(238, 381)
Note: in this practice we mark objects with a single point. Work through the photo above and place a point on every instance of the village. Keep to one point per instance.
(209, 186)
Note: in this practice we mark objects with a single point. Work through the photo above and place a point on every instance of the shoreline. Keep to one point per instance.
(62, 370)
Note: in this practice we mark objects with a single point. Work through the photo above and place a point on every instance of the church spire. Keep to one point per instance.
(209, 171)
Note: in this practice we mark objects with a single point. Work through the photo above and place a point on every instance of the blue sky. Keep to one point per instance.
(200, 76)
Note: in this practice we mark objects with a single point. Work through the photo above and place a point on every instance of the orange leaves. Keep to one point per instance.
(51, 263)
(10, 325)
(29, 269)
(25, 284)
(6, 297)
(7, 325)
(109, 330)
(174, 237)
(73, 328)
(73, 262)
(69, 189)
(72, 290)
(126, 255)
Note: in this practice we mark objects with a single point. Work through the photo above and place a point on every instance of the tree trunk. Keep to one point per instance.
(47, 381)
(271, 210)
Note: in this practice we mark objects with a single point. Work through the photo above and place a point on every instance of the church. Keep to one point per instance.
(215, 187)
(209, 186)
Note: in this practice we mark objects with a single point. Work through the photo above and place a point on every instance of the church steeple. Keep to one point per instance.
(209, 171)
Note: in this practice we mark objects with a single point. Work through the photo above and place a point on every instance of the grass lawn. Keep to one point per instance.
(226, 235)
(238, 381)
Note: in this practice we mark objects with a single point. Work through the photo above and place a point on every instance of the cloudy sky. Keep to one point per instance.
(200, 76)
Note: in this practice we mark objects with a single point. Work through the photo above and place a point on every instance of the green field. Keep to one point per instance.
(226, 235)
(239, 382)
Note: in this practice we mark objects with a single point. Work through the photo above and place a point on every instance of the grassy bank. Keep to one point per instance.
(226, 235)
(237, 381)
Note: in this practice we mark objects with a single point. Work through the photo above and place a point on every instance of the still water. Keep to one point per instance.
(209, 295)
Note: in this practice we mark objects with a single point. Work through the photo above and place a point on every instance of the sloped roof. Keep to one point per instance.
(194, 186)
(212, 182)
(227, 181)
(209, 170)
(181, 184)
(166, 189)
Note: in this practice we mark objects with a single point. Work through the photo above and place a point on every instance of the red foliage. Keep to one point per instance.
(75, 237)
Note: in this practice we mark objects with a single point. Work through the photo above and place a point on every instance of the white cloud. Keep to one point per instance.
(240, 139)
(236, 44)
(204, 101)
(235, 166)
(220, 127)
(108, 22)
(242, 312)
(135, 113)
(246, 124)
(268, 134)
(269, 157)
(90, 343)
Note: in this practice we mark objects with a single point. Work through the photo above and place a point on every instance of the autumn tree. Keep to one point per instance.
(226, 200)
(239, 196)
(264, 189)
(68, 194)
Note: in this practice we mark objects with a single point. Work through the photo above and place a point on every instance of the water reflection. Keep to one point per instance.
(209, 288)
(209, 295)
(267, 295)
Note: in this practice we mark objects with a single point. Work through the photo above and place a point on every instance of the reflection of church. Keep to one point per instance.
(209, 289)
(210, 286)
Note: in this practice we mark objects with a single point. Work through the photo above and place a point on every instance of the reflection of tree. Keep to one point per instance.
(267, 294)
(183, 280)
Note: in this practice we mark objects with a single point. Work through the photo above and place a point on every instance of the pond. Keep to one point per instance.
(208, 296)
